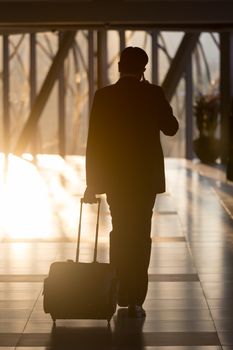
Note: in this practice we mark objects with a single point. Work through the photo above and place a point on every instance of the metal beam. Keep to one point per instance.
(122, 39)
(178, 64)
(155, 57)
(43, 95)
(91, 74)
(6, 89)
(33, 83)
(61, 106)
(102, 64)
(33, 77)
(189, 109)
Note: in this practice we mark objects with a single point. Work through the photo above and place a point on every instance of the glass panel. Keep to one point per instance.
(113, 55)
(1, 98)
(76, 86)
(47, 136)
(205, 76)
(19, 84)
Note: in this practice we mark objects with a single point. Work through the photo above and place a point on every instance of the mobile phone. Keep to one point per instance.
(143, 79)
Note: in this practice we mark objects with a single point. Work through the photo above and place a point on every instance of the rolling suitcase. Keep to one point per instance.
(76, 290)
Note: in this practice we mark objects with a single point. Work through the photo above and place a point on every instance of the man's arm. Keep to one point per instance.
(167, 122)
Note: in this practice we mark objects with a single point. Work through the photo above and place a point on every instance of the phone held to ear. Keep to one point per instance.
(143, 79)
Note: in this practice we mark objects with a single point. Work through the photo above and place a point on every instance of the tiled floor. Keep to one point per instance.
(190, 298)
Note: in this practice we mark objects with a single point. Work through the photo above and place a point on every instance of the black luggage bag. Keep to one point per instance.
(75, 290)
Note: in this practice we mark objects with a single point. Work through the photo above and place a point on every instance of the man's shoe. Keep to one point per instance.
(136, 311)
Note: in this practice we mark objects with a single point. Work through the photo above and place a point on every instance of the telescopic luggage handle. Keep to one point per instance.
(96, 232)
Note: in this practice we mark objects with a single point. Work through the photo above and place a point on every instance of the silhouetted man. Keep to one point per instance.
(124, 159)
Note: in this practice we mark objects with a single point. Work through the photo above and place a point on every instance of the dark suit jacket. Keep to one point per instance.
(123, 147)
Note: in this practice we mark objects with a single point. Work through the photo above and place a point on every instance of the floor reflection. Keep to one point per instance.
(189, 303)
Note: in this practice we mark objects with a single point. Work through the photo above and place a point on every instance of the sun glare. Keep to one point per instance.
(24, 201)
(42, 201)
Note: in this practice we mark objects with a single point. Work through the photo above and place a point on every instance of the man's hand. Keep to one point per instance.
(89, 196)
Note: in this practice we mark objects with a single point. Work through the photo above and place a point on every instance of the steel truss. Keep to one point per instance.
(180, 67)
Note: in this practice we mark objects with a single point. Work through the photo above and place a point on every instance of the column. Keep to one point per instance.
(189, 109)
(102, 65)
(61, 107)
(6, 89)
(155, 57)
(226, 90)
(32, 79)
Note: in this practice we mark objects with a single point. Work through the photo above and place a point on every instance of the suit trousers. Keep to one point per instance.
(130, 241)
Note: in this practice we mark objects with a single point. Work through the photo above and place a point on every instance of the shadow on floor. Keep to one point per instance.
(123, 332)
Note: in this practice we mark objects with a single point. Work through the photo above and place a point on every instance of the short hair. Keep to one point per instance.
(133, 60)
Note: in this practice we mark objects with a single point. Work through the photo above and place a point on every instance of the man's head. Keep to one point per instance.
(133, 61)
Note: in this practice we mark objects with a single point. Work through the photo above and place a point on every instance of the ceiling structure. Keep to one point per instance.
(36, 15)
(189, 16)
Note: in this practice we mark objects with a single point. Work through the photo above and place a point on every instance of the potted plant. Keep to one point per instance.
(206, 112)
